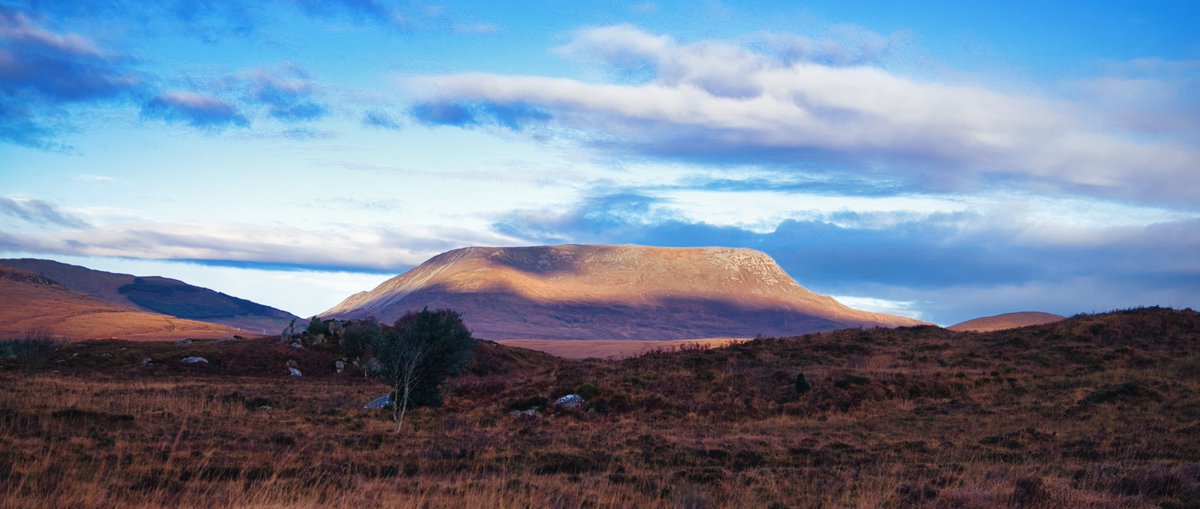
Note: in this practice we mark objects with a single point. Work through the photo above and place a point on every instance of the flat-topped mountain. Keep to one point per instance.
(35, 303)
(158, 295)
(1006, 321)
(611, 292)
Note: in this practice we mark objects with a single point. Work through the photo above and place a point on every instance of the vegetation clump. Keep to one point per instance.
(418, 353)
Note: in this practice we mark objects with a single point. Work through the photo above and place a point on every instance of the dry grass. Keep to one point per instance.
(1097, 411)
(614, 348)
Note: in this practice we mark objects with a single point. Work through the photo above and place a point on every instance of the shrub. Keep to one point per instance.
(802, 384)
(34, 350)
(587, 391)
(418, 354)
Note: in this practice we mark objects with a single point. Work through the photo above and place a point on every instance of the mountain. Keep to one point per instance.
(1006, 321)
(159, 295)
(36, 303)
(611, 292)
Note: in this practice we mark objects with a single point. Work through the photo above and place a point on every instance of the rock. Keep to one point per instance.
(339, 366)
(570, 402)
(380, 402)
(294, 372)
(184, 342)
(291, 363)
(147, 362)
(194, 360)
(297, 345)
(532, 412)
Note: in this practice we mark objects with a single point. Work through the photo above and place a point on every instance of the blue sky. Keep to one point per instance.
(943, 160)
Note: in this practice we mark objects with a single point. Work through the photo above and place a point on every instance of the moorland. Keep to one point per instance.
(1094, 411)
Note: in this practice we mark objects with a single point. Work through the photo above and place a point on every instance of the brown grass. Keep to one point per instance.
(1097, 411)
(614, 348)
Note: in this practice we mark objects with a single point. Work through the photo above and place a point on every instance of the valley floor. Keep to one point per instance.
(1096, 411)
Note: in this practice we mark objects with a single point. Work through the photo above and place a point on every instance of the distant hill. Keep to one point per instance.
(611, 292)
(1006, 321)
(33, 302)
(159, 295)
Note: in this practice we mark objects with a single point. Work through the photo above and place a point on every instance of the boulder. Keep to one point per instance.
(184, 342)
(531, 412)
(194, 360)
(147, 362)
(339, 366)
(569, 402)
(294, 372)
(297, 345)
(380, 402)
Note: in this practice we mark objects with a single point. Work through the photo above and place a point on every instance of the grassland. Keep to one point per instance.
(1095, 411)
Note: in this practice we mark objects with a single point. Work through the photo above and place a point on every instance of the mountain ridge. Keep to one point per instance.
(156, 294)
(611, 292)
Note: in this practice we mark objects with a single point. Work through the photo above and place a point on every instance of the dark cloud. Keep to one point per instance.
(287, 93)
(40, 213)
(197, 110)
(513, 116)
(42, 72)
(381, 119)
(947, 262)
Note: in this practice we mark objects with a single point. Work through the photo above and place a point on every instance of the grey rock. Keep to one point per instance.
(184, 342)
(297, 345)
(339, 366)
(380, 402)
(147, 362)
(570, 402)
(194, 360)
(532, 412)
(294, 372)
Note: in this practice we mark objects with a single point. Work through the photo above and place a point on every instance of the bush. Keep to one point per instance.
(587, 391)
(802, 384)
(34, 350)
(358, 337)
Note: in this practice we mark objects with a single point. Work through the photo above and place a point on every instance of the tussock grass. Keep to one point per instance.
(1098, 411)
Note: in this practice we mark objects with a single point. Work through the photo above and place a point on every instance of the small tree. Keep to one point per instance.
(418, 354)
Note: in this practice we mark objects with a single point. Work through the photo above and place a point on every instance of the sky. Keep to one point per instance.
(937, 159)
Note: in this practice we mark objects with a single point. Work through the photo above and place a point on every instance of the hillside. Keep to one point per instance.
(1093, 412)
(1005, 321)
(36, 303)
(159, 295)
(611, 292)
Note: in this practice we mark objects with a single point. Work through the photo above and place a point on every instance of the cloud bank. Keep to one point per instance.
(719, 103)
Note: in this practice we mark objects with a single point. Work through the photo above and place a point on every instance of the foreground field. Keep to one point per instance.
(1096, 411)
(614, 348)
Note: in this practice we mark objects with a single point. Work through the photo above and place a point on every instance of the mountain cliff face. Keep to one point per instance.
(611, 292)
(35, 303)
(159, 295)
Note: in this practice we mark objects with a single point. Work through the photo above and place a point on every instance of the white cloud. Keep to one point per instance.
(715, 101)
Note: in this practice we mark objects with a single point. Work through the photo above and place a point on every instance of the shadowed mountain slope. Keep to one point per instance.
(1006, 321)
(611, 292)
(159, 295)
(36, 303)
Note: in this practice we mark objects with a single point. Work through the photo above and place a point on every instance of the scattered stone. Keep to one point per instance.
(380, 402)
(184, 342)
(339, 366)
(194, 360)
(297, 345)
(570, 402)
(147, 362)
(294, 372)
(532, 412)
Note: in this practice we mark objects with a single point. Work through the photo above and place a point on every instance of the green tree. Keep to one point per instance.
(417, 355)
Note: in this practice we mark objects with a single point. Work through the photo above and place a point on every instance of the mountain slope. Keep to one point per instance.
(35, 303)
(159, 295)
(1006, 321)
(611, 292)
